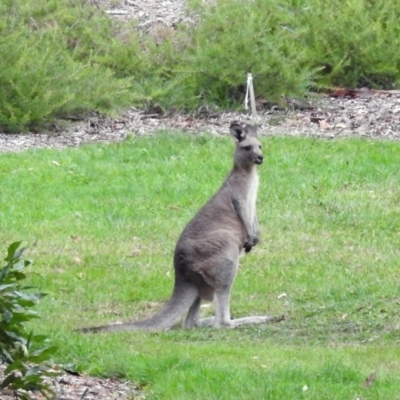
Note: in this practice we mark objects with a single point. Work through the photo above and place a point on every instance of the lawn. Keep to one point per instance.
(102, 221)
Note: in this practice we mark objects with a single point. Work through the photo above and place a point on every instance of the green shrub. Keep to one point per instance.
(236, 37)
(26, 367)
(39, 83)
(60, 57)
(353, 43)
(50, 66)
(290, 46)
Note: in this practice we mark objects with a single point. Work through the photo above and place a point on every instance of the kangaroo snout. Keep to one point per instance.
(259, 160)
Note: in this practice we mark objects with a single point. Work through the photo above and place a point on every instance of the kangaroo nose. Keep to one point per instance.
(260, 159)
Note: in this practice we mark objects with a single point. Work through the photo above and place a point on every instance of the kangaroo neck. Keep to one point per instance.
(243, 178)
(244, 170)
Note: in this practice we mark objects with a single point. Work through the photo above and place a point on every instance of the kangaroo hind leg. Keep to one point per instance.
(223, 318)
(223, 277)
(192, 317)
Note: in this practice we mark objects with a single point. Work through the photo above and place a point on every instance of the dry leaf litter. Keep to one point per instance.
(373, 115)
(370, 114)
(70, 386)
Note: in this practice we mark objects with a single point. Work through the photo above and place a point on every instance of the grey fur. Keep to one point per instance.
(206, 256)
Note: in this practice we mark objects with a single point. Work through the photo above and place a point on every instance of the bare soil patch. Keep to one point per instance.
(70, 386)
(369, 115)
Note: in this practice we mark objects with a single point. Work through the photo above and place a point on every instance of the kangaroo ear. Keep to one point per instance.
(238, 132)
(251, 130)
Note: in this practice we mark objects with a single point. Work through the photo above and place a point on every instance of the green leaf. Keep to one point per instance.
(39, 338)
(6, 286)
(7, 315)
(21, 265)
(7, 381)
(33, 371)
(17, 337)
(42, 354)
(33, 297)
(18, 276)
(11, 251)
(4, 272)
(13, 366)
(18, 253)
(5, 355)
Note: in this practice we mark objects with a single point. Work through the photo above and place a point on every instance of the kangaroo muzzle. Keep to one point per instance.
(259, 159)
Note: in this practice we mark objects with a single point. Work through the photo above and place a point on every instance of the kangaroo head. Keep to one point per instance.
(248, 148)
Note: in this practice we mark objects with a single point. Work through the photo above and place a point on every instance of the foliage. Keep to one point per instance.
(60, 58)
(236, 37)
(48, 61)
(290, 45)
(26, 367)
(352, 43)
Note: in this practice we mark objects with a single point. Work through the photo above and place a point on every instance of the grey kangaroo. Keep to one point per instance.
(207, 253)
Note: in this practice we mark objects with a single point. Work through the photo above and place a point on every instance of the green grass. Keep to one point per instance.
(105, 220)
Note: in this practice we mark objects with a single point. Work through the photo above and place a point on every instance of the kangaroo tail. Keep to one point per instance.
(181, 300)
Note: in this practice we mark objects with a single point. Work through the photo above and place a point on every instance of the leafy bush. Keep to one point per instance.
(353, 43)
(49, 62)
(292, 45)
(236, 37)
(60, 57)
(26, 367)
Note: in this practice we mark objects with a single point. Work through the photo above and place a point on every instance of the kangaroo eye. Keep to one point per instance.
(247, 148)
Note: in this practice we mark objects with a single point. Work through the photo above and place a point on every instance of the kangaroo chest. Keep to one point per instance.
(251, 198)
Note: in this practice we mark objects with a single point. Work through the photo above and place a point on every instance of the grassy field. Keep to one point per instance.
(102, 222)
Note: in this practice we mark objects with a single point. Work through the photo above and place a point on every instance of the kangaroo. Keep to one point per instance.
(206, 256)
